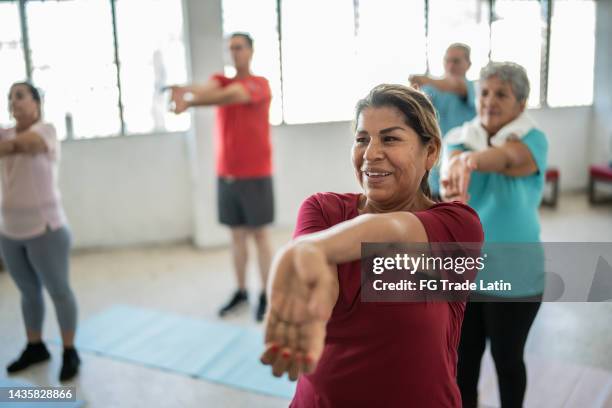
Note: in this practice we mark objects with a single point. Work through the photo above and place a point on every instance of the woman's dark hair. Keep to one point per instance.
(33, 91)
(417, 110)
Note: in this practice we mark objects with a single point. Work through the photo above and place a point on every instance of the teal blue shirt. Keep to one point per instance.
(508, 209)
(453, 110)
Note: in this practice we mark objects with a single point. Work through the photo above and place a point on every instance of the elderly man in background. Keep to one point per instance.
(453, 96)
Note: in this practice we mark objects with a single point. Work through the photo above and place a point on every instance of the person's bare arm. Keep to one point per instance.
(448, 84)
(211, 85)
(234, 93)
(303, 286)
(193, 95)
(302, 290)
(456, 180)
(342, 242)
(7, 148)
(30, 142)
(513, 158)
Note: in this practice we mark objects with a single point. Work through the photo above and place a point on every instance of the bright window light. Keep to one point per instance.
(238, 16)
(572, 53)
(73, 63)
(452, 21)
(151, 57)
(11, 55)
(516, 35)
(318, 39)
(391, 53)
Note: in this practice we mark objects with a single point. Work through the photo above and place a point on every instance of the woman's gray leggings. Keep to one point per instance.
(38, 261)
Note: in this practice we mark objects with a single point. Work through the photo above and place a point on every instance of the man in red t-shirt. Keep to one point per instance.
(244, 160)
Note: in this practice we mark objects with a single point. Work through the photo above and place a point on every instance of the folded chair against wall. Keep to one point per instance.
(599, 174)
(552, 178)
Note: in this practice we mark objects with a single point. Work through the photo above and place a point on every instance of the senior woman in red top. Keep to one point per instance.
(352, 353)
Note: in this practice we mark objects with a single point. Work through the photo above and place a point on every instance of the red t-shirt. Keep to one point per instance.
(243, 131)
(386, 354)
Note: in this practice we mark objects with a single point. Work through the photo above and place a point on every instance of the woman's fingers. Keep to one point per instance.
(282, 277)
(291, 331)
(269, 355)
(314, 342)
(445, 190)
(280, 333)
(454, 180)
(269, 325)
(308, 341)
(471, 162)
(295, 368)
(456, 173)
(465, 175)
(282, 362)
(464, 179)
(275, 327)
(466, 183)
(448, 194)
(457, 182)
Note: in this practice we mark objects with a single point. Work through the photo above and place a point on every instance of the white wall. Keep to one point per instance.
(147, 189)
(311, 158)
(161, 188)
(569, 131)
(130, 190)
(151, 188)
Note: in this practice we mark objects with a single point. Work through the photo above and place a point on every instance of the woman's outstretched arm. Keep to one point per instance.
(7, 148)
(513, 159)
(342, 242)
(303, 286)
(30, 142)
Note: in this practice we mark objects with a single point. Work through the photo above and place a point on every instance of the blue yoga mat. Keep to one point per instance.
(10, 383)
(213, 351)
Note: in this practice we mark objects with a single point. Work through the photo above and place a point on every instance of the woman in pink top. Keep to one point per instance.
(350, 353)
(34, 235)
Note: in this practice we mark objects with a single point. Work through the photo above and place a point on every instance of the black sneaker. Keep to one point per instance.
(239, 299)
(70, 364)
(261, 307)
(33, 353)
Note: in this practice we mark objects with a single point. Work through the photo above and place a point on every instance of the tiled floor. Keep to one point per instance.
(576, 332)
(192, 282)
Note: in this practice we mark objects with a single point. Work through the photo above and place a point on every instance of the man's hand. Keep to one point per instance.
(303, 290)
(417, 81)
(179, 97)
(456, 182)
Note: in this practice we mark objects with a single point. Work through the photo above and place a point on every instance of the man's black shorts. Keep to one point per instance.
(245, 202)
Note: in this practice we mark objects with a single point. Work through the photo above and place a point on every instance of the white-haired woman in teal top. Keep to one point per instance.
(497, 163)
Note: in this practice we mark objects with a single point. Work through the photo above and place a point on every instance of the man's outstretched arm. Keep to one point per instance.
(185, 97)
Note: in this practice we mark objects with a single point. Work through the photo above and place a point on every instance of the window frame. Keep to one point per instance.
(546, 12)
(546, 7)
(27, 54)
